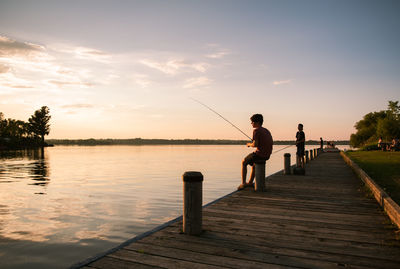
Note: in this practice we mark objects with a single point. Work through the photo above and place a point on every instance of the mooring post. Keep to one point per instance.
(192, 202)
(307, 160)
(286, 159)
(311, 155)
(260, 176)
(315, 153)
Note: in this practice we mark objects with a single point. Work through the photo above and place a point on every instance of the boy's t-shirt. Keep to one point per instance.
(300, 136)
(264, 142)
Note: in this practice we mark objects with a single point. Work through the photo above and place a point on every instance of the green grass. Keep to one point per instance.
(383, 167)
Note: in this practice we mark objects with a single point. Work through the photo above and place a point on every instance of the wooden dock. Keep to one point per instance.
(324, 219)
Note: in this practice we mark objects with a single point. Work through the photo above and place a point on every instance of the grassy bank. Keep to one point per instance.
(383, 167)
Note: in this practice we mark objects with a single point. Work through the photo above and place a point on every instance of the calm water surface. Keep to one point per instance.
(64, 204)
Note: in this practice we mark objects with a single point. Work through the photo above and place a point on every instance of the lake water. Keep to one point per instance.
(67, 203)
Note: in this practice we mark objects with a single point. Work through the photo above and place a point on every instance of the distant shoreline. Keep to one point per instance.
(140, 141)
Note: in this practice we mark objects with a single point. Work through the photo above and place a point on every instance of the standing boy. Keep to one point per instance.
(262, 141)
(300, 142)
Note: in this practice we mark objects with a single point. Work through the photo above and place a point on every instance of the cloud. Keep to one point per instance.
(142, 80)
(217, 51)
(84, 53)
(28, 65)
(197, 82)
(17, 86)
(61, 83)
(9, 48)
(172, 67)
(9, 83)
(281, 82)
(4, 68)
(219, 54)
(78, 106)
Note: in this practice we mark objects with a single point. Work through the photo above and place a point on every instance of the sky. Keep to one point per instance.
(128, 69)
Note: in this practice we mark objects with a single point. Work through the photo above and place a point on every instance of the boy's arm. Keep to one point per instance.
(303, 139)
(252, 144)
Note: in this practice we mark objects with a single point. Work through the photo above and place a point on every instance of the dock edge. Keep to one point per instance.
(391, 208)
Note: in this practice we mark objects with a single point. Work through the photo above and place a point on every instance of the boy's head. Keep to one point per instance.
(257, 118)
(300, 127)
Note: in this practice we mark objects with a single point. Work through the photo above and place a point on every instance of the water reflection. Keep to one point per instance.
(22, 165)
(30, 154)
(40, 172)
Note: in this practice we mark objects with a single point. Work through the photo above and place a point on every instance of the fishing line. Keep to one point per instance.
(222, 117)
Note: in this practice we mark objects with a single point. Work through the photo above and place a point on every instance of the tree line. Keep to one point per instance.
(142, 141)
(15, 134)
(374, 125)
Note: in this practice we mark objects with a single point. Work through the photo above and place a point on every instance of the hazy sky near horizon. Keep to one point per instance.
(126, 69)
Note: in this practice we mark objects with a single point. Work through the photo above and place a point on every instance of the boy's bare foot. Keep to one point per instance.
(241, 187)
(250, 185)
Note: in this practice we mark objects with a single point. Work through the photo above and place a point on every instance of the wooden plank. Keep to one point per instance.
(307, 231)
(200, 258)
(295, 210)
(274, 199)
(144, 255)
(110, 263)
(309, 206)
(308, 223)
(244, 244)
(249, 252)
(317, 243)
(242, 213)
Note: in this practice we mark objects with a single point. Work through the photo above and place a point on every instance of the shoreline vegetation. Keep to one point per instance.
(18, 134)
(141, 141)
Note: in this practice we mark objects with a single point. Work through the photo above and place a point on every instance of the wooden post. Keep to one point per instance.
(286, 159)
(192, 202)
(307, 160)
(311, 155)
(260, 176)
(315, 153)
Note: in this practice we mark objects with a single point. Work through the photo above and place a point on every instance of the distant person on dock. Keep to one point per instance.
(321, 143)
(262, 141)
(300, 144)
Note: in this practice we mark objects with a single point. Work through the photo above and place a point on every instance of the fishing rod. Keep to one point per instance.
(282, 149)
(221, 117)
(233, 124)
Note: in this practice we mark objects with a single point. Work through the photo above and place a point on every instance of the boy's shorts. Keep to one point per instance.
(300, 151)
(253, 158)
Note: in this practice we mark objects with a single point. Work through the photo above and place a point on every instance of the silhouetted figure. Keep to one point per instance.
(300, 144)
(321, 143)
(262, 141)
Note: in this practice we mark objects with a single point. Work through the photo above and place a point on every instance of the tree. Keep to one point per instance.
(39, 123)
(2, 124)
(385, 124)
(389, 127)
(366, 128)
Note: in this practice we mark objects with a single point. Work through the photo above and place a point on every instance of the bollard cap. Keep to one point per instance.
(286, 155)
(192, 176)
